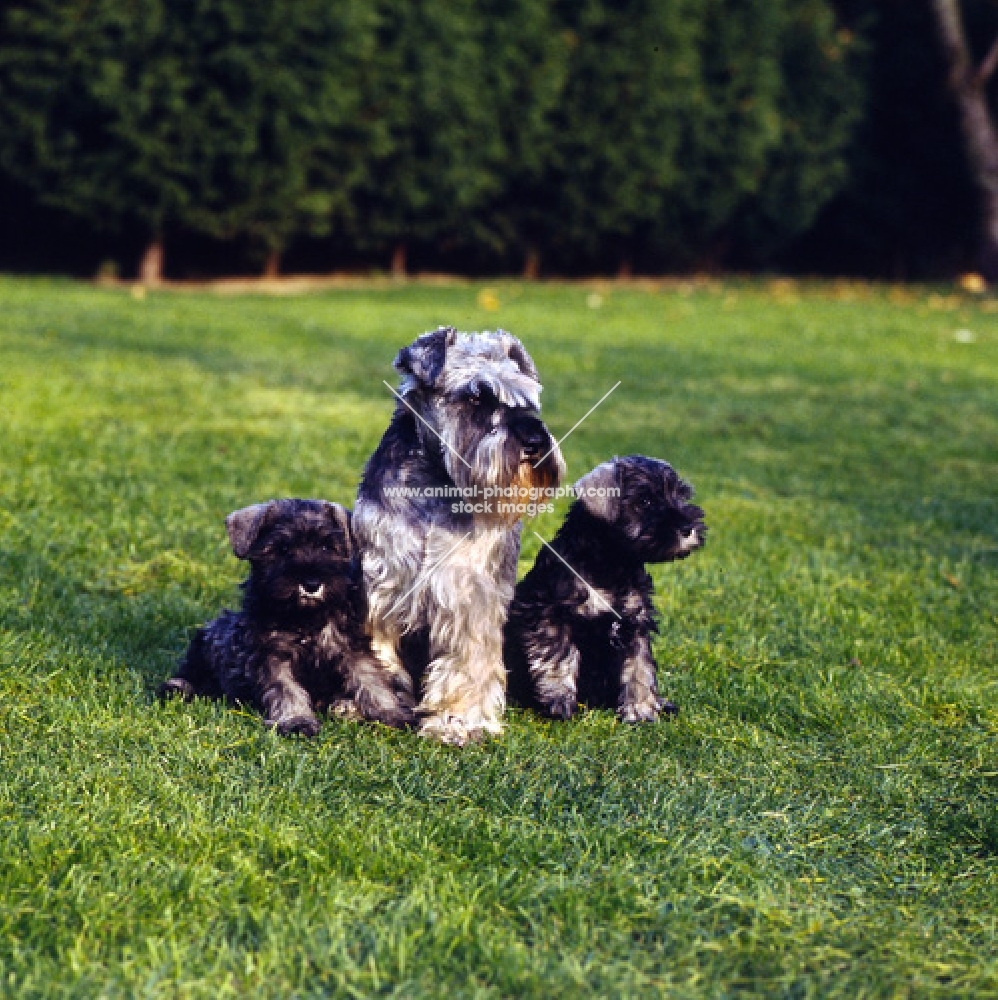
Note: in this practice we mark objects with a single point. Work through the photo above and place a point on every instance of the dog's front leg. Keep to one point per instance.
(639, 700)
(553, 661)
(286, 704)
(375, 693)
(464, 693)
(387, 575)
(385, 646)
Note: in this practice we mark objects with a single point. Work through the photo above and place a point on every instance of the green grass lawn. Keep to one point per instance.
(821, 821)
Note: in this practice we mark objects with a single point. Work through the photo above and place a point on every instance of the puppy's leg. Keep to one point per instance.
(375, 693)
(638, 700)
(553, 662)
(286, 704)
(195, 675)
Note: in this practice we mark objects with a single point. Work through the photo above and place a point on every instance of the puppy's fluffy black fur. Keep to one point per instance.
(570, 639)
(299, 642)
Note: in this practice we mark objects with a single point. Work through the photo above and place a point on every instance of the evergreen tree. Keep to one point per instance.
(589, 133)
(766, 140)
(728, 129)
(274, 115)
(436, 145)
(91, 103)
(820, 103)
(632, 71)
(526, 63)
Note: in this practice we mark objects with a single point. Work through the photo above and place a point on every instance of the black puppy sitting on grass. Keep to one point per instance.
(581, 621)
(299, 642)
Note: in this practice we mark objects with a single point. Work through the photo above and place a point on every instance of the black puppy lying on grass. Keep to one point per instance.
(299, 642)
(581, 621)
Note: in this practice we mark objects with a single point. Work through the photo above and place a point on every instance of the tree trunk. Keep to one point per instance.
(969, 85)
(272, 266)
(532, 264)
(624, 269)
(398, 261)
(151, 265)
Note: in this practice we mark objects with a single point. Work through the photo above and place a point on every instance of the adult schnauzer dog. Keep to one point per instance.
(437, 521)
(299, 642)
(581, 621)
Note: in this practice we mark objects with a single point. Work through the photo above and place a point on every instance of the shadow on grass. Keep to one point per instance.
(93, 619)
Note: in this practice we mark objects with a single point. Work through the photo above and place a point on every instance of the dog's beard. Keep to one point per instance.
(518, 485)
(546, 474)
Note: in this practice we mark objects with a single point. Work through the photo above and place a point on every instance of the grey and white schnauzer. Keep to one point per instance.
(299, 641)
(437, 520)
(581, 622)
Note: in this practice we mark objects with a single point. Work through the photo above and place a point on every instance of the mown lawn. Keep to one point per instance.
(821, 821)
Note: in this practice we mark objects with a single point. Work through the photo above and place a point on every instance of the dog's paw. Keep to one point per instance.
(402, 717)
(397, 717)
(445, 729)
(562, 707)
(390, 708)
(298, 725)
(645, 709)
(346, 708)
(176, 687)
(454, 731)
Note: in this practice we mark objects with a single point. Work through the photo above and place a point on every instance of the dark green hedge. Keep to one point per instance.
(471, 134)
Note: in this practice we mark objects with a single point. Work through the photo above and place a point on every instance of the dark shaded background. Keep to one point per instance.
(587, 145)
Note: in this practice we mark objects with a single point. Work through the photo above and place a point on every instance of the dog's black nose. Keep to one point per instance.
(311, 588)
(533, 438)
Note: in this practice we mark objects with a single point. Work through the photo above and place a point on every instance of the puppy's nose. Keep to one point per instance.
(311, 588)
(688, 540)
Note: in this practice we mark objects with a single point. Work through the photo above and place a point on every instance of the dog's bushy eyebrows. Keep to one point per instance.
(495, 359)
(290, 523)
(313, 534)
(639, 473)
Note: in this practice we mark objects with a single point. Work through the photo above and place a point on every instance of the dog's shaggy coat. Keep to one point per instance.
(439, 555)
(581, 622)
(299, 642)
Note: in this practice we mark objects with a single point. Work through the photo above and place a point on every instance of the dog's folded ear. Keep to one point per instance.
(244, 526)
(423, 360)
(518, 353)
(599, 491)
(340, 516)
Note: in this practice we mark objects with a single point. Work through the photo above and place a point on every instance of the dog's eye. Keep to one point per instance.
(480, 395)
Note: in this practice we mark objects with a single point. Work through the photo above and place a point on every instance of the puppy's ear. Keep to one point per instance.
(599, 491)
(423, 360)
(244, 526)
(340, 516)
(518, 353)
